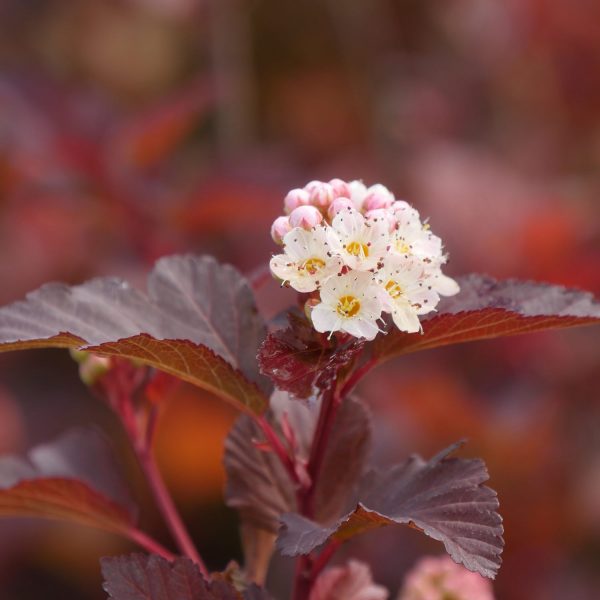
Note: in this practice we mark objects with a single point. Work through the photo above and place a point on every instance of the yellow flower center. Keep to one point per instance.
(357, 248)
(312, 265)
(393, 289)
(348, 306)
(402, 247)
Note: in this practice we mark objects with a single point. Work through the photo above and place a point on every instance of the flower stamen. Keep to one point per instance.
(393, 289)
(312, 265)
(358, 249)
(348, 306)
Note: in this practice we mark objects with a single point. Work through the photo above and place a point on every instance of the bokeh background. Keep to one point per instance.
(136, 128)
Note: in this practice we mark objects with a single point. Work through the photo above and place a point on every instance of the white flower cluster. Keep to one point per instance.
(360, 253)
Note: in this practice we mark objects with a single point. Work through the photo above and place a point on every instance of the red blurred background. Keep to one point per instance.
(133, 129)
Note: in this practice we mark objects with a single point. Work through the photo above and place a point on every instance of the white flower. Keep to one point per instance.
(406, 292)
(440, 578)
(349, 303)
(442, 284)
(307, 262)
(384, 215)
(415, 239)
(362, 244)
(339, 205)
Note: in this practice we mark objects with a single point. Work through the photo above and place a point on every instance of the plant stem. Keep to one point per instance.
(305, 568)
(357, 376)
(327, 414)
(302, 578)
(321, 562)
(278, 448)
(168, 510)
(150, 544)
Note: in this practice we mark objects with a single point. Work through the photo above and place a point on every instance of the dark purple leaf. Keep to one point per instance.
(444, 497)
(344, 460)
(486, 308)
(260, 488)
(302, 361)
(197, 322)
(141, 577)
(74, 478)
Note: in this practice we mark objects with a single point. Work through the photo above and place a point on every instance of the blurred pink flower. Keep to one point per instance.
(352, 581)
(440, 578)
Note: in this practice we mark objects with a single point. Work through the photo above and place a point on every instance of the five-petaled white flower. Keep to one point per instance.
(406, 292)
(349, 303)
(362, 244)
(307, 262)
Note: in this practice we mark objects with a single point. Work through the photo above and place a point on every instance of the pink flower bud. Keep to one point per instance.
(383, 215)
(294, 199)
(352, 581)
(281, 225)
(340, 188)
(358, 191)
(91, 366)
(320, 194)
(378, 197)
(338, 205)
(306, 217)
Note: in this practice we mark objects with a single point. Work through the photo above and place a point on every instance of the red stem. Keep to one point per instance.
(357, 376)
(168, 510)
(151, 545)
(278, 448)
(307, 568)
(321, 562)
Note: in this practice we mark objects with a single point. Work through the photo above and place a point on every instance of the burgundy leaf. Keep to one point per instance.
(141, 577)
(486, 308)
(344, 460)
(260, 488)
(74, 478)
(302, 361)
(198, 322)
(443, 497)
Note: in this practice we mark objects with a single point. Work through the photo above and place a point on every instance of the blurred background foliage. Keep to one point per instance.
(133, 129)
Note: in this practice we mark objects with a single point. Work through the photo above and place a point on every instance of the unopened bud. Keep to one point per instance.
(294, 199)
(308, 306)
(340, 188)
(306, 217)
(320, 193)
(93, 368)
(338, 205)
(358, 192)
(378, 196)
(281, 225)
